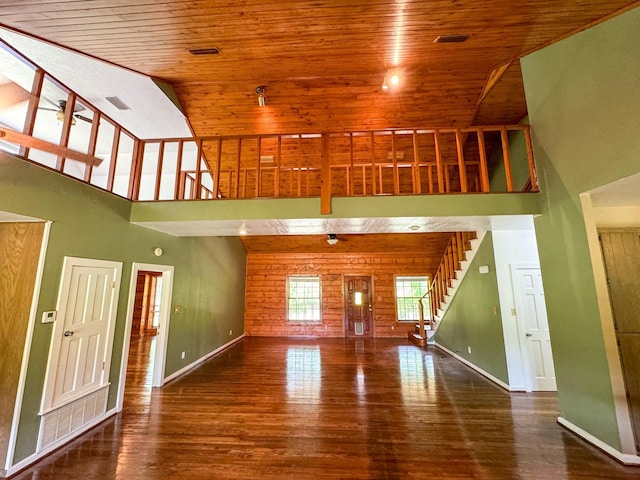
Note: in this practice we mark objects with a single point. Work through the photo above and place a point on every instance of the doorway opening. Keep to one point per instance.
(145, 341)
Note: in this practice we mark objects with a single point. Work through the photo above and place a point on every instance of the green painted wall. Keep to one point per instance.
(445, 205)
(470, 320)
(583, 100)
(208, 283)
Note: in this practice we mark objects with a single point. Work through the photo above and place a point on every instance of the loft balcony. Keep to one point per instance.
(326, 173)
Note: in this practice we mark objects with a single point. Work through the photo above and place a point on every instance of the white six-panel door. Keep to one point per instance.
(83, 334)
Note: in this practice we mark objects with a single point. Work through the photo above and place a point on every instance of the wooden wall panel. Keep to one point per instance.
(19, 252)
(265, 300)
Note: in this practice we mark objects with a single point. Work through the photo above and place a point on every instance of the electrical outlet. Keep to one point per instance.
(468, 349)
(230, 332)
(184, 354)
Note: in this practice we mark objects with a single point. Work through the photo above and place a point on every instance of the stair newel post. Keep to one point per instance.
(423, 333)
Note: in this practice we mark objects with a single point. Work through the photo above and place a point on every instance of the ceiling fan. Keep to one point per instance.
(334, 238)
(61, 107)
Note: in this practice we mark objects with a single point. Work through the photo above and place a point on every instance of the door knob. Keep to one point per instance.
(528, 334)
(68, 333)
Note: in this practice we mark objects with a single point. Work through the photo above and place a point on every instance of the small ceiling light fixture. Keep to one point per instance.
(242, 230)
(260, 91)
(332, 238)
(414, 228)
(391, 79)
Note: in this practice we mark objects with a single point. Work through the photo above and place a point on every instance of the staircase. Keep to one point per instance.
(453, 267)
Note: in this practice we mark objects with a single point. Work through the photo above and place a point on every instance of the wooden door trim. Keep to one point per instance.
(13, 434)
(345, 326)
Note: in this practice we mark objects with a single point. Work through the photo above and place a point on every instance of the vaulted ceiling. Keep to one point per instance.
(322, 61)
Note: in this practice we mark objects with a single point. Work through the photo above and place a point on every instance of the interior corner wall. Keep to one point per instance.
(473, 319)
(208, 283)
(583, 102)
(512, 247)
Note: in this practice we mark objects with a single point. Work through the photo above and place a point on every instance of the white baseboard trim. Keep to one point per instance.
(31, 459)
(624, 458)
(495, 380)
(194, 364)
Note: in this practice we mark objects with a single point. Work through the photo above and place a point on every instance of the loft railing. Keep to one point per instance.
(389, 162)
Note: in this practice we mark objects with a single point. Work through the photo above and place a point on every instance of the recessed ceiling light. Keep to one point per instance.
(414, 227)
(391, 79)
(242, 230)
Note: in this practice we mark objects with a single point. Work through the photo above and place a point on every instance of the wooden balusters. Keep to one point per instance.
(449, 266)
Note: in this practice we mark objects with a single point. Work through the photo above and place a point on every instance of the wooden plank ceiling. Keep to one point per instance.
(431, 244)
(322, 61)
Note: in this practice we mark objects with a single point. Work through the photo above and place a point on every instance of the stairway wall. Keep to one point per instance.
(473, 320)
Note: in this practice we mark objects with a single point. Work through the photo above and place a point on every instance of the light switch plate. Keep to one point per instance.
(49, 317)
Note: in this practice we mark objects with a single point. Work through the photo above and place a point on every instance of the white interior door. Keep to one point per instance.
(83, 334)
(531, 315)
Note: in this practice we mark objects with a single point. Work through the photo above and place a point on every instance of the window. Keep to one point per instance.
(408, 292)
(303, 299)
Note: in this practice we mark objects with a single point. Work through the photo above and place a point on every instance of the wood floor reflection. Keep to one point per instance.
(330, 409)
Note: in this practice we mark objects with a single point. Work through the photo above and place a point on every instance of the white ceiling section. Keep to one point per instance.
(317, 226)
(152, 114)
(621, 193)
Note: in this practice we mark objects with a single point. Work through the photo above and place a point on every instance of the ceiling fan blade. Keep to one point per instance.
(49, 109)
(51, 102)
(82, 117)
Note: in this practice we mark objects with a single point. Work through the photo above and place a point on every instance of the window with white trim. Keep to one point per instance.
(303, 299)
(408, 293)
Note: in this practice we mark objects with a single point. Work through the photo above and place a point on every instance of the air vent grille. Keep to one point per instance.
(204, 51)
(451, 38)
(116, 102)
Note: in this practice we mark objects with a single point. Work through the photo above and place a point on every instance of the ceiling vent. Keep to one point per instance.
(204, 51)
(451, 38)
(116, 102)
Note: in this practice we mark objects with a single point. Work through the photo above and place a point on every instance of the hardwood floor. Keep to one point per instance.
(274, 408)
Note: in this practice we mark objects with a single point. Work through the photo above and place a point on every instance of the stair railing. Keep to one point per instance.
(446, 272)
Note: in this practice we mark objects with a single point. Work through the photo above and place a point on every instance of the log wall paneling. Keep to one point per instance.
(265, 298)
(19, 253)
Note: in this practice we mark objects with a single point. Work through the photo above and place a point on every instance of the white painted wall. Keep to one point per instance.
(512, 246)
